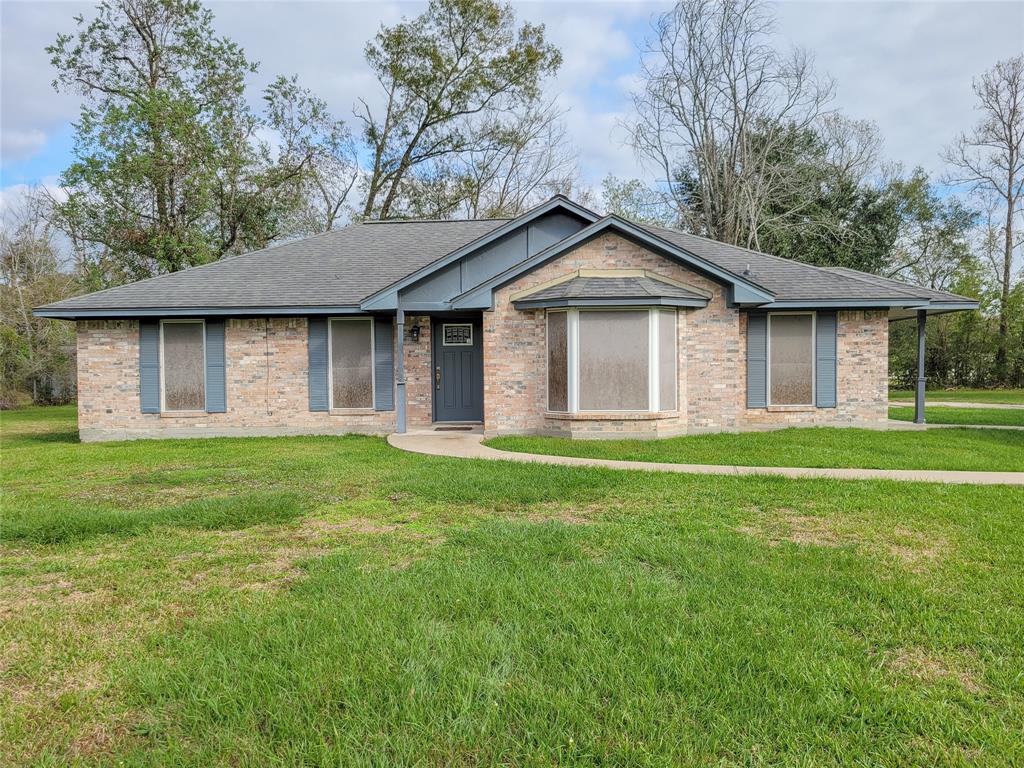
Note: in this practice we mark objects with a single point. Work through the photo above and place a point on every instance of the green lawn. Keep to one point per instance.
(332, 601)
(963, 449)
(1010, 417)
(963, 395)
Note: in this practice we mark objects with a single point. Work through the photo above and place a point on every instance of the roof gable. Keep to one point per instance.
(741, 290)
(530, 227)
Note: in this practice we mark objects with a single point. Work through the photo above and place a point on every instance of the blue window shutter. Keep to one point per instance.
(216, 384)
(757, 360)
(149, 365)
(318, 362)
(383, 364)
(825, 360)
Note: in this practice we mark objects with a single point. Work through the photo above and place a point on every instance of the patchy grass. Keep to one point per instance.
(964, 395)
(1010, 417)
(324, 601)
(956, 449)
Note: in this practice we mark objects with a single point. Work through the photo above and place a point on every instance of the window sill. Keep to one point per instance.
(612, 415)
(183, 414)
(352, 411)
(791, 408)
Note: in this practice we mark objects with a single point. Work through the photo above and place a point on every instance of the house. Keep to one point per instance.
(558, 322)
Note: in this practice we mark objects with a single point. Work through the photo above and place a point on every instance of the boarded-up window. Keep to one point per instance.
(667, 379)
(613, 364)
(791, 359)
(558, 362)
(184, 366)
(351, 363)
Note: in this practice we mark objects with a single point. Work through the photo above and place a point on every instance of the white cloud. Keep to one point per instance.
(11, 196)
(907, 66)
(21, 144)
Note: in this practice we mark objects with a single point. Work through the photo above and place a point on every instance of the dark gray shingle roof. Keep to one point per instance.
(344, 267)
(338, 268)
(917, 290)
(789, 280)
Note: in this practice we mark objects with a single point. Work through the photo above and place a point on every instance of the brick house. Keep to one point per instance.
(557, 322)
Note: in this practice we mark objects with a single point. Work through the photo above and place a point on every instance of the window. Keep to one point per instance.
(558, 361)
(351, 350)
(668, 370)
(458, 335)
(183, 365)
(791, 358)
(611, 360)
(614, 361)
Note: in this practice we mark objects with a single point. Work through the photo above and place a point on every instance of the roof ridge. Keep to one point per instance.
(435, 221)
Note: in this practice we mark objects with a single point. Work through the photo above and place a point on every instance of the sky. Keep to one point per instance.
(907, 66)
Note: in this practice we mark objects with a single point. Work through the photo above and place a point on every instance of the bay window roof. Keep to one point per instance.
(614, 288)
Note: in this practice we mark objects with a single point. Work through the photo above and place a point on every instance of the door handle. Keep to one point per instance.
(437, 377)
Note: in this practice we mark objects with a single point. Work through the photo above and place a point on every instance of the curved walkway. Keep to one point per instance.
(469, 446)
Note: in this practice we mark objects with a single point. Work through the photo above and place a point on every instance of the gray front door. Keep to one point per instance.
(458, 370)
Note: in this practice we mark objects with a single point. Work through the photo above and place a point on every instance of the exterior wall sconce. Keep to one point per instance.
(414, 333)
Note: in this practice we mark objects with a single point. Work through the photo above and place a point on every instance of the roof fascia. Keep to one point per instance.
(931, 307)
(199, 311)
(633, 301)
(387, 298)
(741, 291)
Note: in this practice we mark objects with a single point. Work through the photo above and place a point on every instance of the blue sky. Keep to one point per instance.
(905, 65)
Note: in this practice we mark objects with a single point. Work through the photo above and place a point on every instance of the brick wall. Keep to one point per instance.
(712, 362)
(266, 376)
(419, 390)
(862, 385)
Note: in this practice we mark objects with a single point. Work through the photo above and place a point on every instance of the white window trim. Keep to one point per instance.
(469, 343)
(814, 358)
(163, 367)
(573, 358)
(330, 363)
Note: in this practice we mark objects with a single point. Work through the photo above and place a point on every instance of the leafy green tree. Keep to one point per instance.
(36, 355)
(172, 167)
(449, 79)
(989, 160)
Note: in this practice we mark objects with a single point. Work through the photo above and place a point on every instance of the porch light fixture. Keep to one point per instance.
(414, 333)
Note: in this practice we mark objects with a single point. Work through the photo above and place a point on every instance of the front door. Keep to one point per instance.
(458, 370)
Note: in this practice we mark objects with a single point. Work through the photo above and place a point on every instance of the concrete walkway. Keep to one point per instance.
(466, 445)
(955, 404)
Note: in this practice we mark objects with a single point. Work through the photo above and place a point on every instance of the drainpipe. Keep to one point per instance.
(919, 394)
(400, 371)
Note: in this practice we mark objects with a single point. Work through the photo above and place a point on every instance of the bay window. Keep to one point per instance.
(351, 355)
(791, 358)
(611, 360)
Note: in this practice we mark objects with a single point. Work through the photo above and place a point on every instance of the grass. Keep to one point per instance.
(1010, 417)
(950, 449)
(322, 601)
(964, 395)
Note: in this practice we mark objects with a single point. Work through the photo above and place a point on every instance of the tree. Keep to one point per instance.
(36, 355)
(449, 78)
(989, 159)
(172, 168)
(718, 101)
(527, 160)
(323, 147)
(633, 200)
(933, 246)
